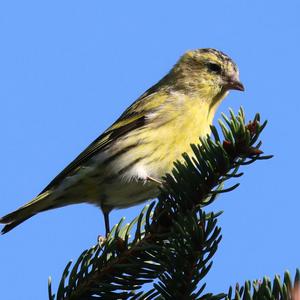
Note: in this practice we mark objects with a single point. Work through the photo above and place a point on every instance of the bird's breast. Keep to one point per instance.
(171, 132)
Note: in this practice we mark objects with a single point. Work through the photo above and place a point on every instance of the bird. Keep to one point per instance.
(126, 164)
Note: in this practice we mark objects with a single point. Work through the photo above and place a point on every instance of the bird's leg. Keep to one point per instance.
(154, 180)
(106, 221)
(106, 210)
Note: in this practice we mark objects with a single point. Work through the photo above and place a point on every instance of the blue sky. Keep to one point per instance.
(67, 71)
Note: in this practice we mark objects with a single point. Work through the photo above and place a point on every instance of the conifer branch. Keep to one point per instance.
(285, 289)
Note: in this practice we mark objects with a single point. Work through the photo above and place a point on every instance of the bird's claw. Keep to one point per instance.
(102, 240)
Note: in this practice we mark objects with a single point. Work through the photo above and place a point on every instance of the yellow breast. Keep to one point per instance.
(171, 132)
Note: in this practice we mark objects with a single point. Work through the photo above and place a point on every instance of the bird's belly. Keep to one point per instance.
(104, 185)
(125, 194)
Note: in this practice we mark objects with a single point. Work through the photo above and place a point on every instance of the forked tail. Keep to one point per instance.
(26, 211)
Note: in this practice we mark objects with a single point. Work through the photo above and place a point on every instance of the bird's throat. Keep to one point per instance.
(216, 101)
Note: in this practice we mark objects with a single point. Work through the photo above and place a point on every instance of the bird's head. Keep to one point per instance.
(207, 71)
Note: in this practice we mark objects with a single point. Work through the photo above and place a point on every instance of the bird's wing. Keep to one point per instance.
(133, 118)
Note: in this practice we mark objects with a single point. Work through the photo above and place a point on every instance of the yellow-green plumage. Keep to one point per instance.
(125, 164)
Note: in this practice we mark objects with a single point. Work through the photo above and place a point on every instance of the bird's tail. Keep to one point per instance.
(26, 211)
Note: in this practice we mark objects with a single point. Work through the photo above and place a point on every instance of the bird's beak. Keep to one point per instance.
(235, 85)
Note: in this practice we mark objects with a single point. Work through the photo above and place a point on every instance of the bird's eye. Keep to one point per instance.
(214, 68)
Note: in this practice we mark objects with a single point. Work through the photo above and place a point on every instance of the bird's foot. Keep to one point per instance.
(102, 240)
